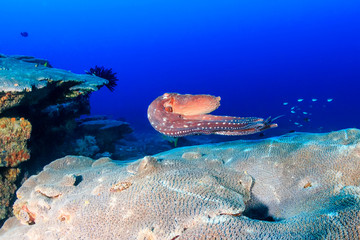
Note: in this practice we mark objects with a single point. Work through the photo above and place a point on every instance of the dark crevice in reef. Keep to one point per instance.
(259, 211)
(78, 180)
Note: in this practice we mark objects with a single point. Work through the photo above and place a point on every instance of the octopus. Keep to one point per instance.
(179, 115)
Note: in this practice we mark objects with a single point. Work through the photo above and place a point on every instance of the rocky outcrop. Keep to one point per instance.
(28, 81)
(297, 186)
(37, 103)
(99, 132)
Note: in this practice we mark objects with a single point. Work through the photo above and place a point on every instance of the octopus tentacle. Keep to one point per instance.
(179, 115)
(208, 117)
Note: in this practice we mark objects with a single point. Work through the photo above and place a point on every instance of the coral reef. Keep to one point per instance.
(104, 130)
(25, 81)
(34, 95)
(297, 186)
(139, 144)
(8, 177)
(86, 146)
(14, 134)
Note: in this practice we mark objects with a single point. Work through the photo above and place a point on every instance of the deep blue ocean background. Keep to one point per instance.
(255, 54)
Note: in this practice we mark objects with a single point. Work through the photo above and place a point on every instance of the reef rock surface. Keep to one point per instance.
(22, 76)
(13, 136)
(297, 186)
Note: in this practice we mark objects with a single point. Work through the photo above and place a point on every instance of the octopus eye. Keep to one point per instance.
(168, 109)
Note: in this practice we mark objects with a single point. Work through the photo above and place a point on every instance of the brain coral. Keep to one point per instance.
(297, 186)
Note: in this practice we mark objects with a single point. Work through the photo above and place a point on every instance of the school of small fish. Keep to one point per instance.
(300, 111)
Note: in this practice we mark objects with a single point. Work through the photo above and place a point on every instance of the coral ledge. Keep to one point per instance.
(37, 103)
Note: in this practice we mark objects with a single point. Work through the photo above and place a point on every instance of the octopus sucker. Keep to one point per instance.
(185, 114)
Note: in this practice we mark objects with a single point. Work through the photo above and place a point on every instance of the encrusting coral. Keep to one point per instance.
(297, 186)
(8, 177)
(14, 134)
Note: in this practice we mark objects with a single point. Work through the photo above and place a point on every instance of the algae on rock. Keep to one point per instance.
(14, 134)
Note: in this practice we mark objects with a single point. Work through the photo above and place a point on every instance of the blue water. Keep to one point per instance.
(255, 54)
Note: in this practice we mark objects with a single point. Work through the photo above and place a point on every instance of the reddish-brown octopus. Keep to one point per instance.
(178, 115)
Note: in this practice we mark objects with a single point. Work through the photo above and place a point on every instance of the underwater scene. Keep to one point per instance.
(200, 119)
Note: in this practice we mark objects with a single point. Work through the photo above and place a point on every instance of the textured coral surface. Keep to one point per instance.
(297, 186)
(13, 136)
